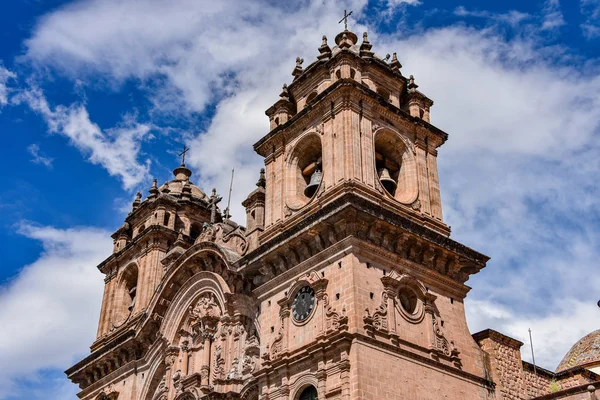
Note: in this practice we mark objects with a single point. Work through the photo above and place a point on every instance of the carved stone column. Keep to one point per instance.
(205, 369)
(185, 359)
(170, 357)
(423, 174)
(429, 310)
(390, 287)
(319, 288)
(284, 314)
(321, 376)
(345, 375)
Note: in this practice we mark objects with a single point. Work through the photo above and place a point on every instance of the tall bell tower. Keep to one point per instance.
(360, 287)
(344, 283)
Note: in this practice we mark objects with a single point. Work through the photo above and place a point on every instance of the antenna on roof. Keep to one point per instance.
(532, 354)
(227, 215)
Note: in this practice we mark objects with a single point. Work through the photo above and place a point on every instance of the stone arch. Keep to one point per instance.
(185, 396)
(195, 230)
(307, 151)
(383, 92)
(155, 388)
(125, 299)
(303, 382)
(249, 392)
(188, 294)
(396, 153)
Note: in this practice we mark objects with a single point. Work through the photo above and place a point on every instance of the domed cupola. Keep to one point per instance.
(585, 353)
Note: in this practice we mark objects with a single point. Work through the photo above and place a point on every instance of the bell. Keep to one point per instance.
(313, 185)
(386, 180)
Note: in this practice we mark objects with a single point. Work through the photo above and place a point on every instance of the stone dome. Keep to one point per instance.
(175, 186)
(585, 353)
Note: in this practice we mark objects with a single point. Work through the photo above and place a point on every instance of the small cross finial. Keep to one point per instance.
(345, 19)
(182, 155)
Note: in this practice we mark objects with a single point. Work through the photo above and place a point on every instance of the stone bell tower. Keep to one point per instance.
(344, 284)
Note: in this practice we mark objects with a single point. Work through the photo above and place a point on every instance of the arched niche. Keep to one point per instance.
(304, 160)
(395, 153)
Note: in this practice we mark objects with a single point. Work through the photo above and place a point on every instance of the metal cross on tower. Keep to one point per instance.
(182, 154)
(345, 19)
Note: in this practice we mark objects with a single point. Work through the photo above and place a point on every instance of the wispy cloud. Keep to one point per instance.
(39, 306)
(116, 149)
(513, 17)
(5, 76)
(38, 158)
(590, 10)
(552, 15)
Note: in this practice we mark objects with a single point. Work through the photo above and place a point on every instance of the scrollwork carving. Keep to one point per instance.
(379, 319)
(334, 320)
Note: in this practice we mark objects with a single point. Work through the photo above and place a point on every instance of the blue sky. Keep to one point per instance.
(98, 97)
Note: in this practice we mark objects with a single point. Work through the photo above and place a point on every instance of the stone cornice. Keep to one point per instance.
(497, 337)
(133, 246)
(259, 146)
(351, 200)
(340, 56)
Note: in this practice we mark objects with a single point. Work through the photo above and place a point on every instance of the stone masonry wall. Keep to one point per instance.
(505, 363)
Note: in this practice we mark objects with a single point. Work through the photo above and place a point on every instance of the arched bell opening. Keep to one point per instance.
(126, 294)
(395, 166)
(305, 171)
(195, 230)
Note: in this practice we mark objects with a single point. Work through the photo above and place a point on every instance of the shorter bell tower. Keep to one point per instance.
(173, 213)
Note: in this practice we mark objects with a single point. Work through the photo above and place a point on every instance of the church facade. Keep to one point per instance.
(344, 282)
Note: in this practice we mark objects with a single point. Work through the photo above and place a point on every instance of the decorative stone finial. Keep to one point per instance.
(262, 182)
(346, 39)
(591, 388)
(298, 70)
(153, 190)
(166, 188)
(285, 93)
(212, 202)
(395, 64)
(411, 83)
(365, 47)
(137, 200)
(325, 50)
(182, 173)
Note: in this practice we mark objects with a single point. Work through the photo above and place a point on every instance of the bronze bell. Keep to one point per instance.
(386, 180)
(315, 181)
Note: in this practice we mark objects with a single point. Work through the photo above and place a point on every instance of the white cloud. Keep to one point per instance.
(515, 173)
(590, 10)
(38, 158)
(549, 333)
(48, 305)
(512, 17)
(5, 76)
(116, 149)
(552, 15)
